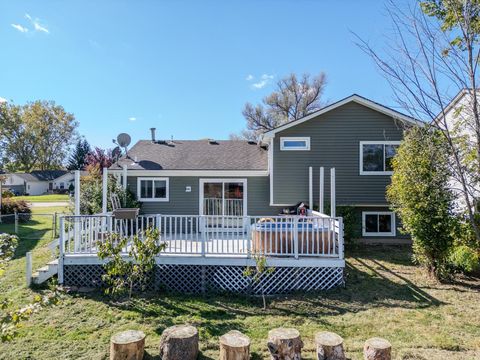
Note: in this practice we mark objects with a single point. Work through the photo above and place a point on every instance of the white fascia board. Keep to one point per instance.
(207, 173)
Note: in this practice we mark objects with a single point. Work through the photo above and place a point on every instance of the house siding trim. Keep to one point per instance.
(190, 173)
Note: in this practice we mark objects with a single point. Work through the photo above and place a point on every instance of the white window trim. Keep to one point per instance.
(306, 139)
(393, 225)
(362, 172)
(221, 181)
(167, 190)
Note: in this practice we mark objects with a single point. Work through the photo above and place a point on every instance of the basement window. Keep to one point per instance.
(378, 223)
(294, 143)
(152, 189)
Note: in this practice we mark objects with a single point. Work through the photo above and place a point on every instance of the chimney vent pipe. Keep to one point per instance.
(153, 134)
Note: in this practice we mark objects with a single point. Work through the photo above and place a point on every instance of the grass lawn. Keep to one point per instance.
(385, 296)
(44, 198)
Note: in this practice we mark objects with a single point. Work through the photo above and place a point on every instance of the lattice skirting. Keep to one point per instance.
(215, 278)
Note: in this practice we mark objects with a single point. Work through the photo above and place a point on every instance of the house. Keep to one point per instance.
(356, 136)
(217, 204)
(38, 182)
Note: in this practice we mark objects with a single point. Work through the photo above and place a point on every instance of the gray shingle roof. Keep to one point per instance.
(41, 175)
(195, 155)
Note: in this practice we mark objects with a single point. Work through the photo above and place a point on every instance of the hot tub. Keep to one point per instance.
(278, 237)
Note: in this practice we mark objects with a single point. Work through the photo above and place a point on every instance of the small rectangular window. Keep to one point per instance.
(376, 157)
(294, 143)
(378, 223)
(152, 189)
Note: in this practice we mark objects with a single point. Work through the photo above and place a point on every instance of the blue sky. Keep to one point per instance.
(184, 67)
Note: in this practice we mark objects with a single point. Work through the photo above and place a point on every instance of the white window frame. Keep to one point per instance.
(303, 138)
(362, 172)
(153, 199)
(393, 224)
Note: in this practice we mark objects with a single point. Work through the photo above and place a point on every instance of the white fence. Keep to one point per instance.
(208, 235)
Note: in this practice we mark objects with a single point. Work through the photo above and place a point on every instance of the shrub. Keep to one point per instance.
(465, 259)
(7, 193)
(10, 206)
(421, 196)
(8, 244)
(122, 274)
(350, 221)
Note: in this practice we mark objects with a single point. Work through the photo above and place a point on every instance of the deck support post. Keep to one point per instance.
(124, 173)
(332, 193)
(76, 221)
(61, 244)
(321, 198)
(310, 188)
(104, 190)
(295, 237)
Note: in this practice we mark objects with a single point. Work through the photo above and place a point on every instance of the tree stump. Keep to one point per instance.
(127, 345)
(179, 342)
(377, 349)
(329, 346)
(234, 346)
(284, 344)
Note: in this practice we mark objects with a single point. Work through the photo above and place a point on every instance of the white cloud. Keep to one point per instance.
(265, 79)
(249, 77)
(20, 28)
(2, 100)
(37, 26)
(132, 118)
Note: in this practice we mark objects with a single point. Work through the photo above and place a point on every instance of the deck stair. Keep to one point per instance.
(46, 272)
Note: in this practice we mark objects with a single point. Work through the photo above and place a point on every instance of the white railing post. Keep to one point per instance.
(61, 243)
(249, 236)
(340, 238)
(204, 235)
(310, 188)
(28, 272)
(332, 193)
(321, 198)
(295, 236)
(158, 220)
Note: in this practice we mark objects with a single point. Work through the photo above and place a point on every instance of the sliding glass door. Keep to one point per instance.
(224, 200)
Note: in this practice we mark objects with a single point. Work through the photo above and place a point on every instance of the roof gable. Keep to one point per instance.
(353, 98)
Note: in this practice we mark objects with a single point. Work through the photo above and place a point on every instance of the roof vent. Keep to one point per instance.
(152, 130)
(212, 142)
(252, 142)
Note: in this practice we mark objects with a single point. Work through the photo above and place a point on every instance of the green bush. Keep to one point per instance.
(421, 196)
(8, 244)
(465, 259)
(10, 206)
(7, 193)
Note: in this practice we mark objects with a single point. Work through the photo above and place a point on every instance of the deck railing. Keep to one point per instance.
(209, 235)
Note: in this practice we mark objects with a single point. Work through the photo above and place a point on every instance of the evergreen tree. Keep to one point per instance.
(78, 158)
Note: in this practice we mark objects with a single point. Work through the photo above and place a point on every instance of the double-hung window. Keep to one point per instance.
(294, 143)
(376, 157)
(152, 189)
(378, 223)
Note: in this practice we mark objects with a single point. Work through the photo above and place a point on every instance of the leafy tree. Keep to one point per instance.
(98, 159)
(432, 55)
(122, 274)
(420, 194)
(78, 158)
(293, 99)
(35, 136)
(258, 272)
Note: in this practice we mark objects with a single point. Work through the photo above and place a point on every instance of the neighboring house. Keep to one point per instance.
(356, 136)
(38, 182)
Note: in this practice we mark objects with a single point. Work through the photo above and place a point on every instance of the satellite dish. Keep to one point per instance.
(123, 140)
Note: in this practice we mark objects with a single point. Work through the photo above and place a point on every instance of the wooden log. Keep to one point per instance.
(329, 346)
(284, 344)
(127, 345)
(179, 342)
(234, 346)
(377, 349)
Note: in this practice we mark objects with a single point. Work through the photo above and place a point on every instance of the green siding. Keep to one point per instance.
(335, 142)
(187, 203)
